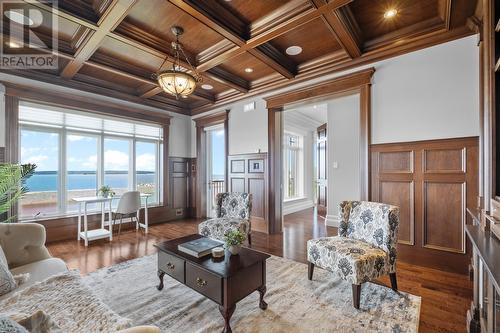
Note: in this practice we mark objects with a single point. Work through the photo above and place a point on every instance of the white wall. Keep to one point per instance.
(343, 150)
(248, 130)
(428, 94)
(180, 137)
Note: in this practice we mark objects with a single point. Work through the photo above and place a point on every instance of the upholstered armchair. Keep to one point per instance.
(365, 247)
(232, 211)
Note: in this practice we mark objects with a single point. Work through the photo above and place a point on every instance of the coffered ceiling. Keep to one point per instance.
(113, 47)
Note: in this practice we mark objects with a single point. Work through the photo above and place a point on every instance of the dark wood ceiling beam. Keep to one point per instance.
(221, 20)
(264, 31)
(341, 25)
(272, 57)
(113, 15)
(130, 34)
(62, 13)
(216, 17)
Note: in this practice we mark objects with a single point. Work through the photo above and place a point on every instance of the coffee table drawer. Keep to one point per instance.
(204, 282)
(171, 265)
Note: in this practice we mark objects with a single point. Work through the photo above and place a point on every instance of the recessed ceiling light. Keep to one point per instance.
(249, 70)
(390, 13)
(314, 107)
(18, 17)
(207, 86)
(293, 50)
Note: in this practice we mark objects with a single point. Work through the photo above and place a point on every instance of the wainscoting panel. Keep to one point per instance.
(396, 162)
(444, 216)
(237, 184)
(179, 182)
(401, 193)
(248, 173)
(433, 182)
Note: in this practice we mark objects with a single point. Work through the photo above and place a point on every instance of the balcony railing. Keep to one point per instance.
(216, 187)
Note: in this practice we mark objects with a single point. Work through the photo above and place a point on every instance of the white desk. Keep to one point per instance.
(90, 235)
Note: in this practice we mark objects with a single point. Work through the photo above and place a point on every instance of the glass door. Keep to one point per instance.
(216, 166)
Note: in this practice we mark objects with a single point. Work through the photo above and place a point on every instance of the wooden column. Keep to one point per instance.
(274, 157)
(166, 164)
(11, 129)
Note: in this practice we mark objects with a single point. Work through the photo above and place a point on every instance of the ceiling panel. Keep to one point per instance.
(304, 36)
(158, 16)
(370, 15)
(237, 66)
(113, 79)
(251, 10)
(128, 54)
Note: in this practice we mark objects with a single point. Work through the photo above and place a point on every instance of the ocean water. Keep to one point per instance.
(47, 180)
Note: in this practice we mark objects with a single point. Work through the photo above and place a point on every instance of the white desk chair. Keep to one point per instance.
(128, 206)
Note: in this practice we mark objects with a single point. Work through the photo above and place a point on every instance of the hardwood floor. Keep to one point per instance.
(445, 296)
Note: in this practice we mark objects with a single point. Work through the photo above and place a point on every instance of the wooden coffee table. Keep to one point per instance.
(225, 282)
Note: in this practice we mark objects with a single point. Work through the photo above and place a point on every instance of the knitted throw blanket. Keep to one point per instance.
(70, 303)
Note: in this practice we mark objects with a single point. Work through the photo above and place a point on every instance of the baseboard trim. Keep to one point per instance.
(296, 206)
(332, 220)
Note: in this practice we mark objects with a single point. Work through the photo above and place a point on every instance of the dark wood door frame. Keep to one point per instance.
(355, 83)
(201, 155)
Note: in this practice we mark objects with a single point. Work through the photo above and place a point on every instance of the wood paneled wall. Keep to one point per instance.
(242, 177)
(433, 182)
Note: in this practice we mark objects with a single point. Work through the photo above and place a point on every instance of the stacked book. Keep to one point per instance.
(199, 247)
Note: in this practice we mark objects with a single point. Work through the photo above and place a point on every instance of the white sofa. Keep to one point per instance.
(24, 247)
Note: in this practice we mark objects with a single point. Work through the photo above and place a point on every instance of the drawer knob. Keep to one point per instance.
(170, 266)
(200, 282)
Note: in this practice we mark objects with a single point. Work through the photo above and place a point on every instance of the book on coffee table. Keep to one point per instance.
(199, 247)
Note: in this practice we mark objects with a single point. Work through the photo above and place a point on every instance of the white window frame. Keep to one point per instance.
(300, 177)
(62, 191)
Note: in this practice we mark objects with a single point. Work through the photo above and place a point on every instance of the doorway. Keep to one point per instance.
(216, 165)
(304, 159)
(358, 84)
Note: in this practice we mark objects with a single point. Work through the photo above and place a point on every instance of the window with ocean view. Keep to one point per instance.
(76, 153)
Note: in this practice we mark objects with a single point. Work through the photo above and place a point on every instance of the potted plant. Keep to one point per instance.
(12, 186)
(106, 191)
(233, 240)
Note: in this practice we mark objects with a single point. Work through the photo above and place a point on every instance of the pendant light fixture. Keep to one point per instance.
(177, 81)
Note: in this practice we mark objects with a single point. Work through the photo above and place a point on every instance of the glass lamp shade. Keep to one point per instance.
(177, 83)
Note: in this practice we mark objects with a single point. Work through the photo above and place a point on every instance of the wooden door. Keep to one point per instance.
(321, 172)
(433, 183)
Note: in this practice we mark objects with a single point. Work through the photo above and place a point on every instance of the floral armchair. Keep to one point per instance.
(232, 211)
(365, 248)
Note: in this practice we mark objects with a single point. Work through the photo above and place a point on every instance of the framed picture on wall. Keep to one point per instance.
(256, 166)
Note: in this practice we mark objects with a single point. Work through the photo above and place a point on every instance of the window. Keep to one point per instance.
(41, 147)
(146, 174)
(293, 164)
(77, 153)
(117, 164)
(82, 177)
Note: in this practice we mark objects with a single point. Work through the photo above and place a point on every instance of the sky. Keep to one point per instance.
(42, 149)
(218, 153)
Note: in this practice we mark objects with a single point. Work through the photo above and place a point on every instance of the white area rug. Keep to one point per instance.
(295, 303)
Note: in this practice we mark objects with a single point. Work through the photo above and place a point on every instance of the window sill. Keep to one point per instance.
(294, 199)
